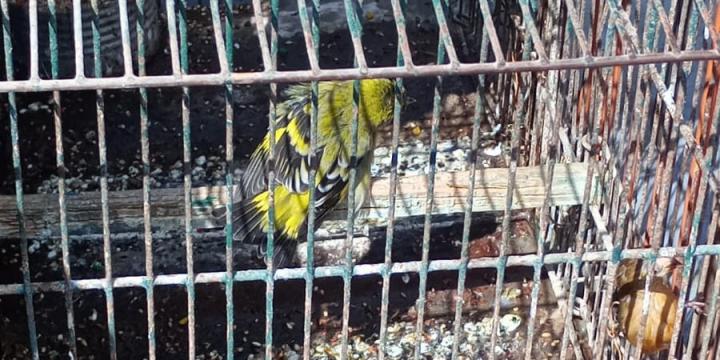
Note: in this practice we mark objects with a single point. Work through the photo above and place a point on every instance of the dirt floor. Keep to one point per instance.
(207, 117)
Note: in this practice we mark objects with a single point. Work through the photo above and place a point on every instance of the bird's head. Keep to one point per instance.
(378, 100)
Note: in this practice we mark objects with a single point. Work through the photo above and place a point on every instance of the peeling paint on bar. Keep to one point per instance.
(358, 270)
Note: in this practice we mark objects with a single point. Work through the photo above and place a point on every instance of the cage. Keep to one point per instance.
(551, 193)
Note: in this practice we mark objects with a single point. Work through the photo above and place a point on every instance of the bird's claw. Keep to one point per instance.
(697, 306)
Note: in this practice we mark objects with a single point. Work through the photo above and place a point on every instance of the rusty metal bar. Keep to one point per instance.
(694, 228)
(577, 27)
(705, 14)
(667, 26)
(713, 308)
(712, 176)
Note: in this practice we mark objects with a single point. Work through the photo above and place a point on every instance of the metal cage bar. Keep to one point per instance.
(360, 269)
(656, 107)
(102, 152)
(311, 32)
(479, 115)
(60, 159)
(145, 158)
(19, 195)
(355, 27)
(429, 195)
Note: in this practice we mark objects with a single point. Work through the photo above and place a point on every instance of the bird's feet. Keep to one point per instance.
(698, 306)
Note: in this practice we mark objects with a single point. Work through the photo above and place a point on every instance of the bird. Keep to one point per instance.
(292, 147)
(630, 280)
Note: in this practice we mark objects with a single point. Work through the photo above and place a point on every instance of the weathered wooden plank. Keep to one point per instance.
(126, 207)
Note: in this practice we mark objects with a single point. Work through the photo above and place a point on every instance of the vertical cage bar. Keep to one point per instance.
(187, 181)
(102, 151)
(19, 194)
(352, 182)
(472, 162)
(33, 32)
(489, 26)
(444, 31)
(229, 180)
(707, 333)
(78, 39)
(577, 27)
(218, 34)
(310, 45)
(579, 244)
(705, 14)
(532, 29)
(502, 251)
(265, 48)
(429, 202)
(312, 35)
(670, 38)
(541, 226)
(694, 228)
(399, 7)
(355, 27)
(170, 10)
(125, 36)
(60, 160)
(149, 280)
(687, 266)
(658, 228)
(271, 65)
(685, 279)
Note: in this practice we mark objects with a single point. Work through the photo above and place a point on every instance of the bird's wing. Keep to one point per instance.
(292, 147)
(292, 144)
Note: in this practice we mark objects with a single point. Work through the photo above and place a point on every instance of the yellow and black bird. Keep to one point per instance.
(292, 146)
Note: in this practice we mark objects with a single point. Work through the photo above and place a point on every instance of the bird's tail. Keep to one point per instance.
(248, 227)
(246, 221)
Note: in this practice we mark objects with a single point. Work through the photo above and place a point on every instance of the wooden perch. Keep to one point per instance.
(126, 207)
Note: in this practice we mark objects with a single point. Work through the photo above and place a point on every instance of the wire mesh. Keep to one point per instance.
(608, 89)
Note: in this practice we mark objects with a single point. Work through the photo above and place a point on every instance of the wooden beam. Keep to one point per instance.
(126, 207)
